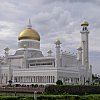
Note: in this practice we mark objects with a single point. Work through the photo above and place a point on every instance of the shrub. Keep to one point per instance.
(8, 98)
(72, 89)
(58, 97)
(26, 98)
(15, 98)
(59, 82)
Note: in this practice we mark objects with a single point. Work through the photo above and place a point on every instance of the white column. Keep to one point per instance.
(0, 74)
(79, 63)
(79, 55)
(90, 74)
(25, 57)
(10, 70)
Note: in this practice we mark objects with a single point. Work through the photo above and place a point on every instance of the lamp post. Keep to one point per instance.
(35, 95)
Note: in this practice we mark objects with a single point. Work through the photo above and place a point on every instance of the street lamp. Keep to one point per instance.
(35, 95)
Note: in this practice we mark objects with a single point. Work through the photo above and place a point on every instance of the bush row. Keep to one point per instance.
(53, 97)
(58, 97)
(15, 98)
(72, 89)
(9, 98)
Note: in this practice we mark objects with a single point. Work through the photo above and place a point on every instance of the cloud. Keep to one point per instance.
(73, 1)
(6, 29)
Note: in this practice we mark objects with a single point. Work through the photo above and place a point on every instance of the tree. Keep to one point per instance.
(10, 82)
(59, 82)
(96, 79)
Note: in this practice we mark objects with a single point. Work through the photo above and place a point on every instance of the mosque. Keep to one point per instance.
(29, 66)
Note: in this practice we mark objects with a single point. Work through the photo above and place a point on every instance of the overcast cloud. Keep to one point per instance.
(53, 19)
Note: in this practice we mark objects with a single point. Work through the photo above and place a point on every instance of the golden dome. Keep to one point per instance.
(29, 33)
(85, 23)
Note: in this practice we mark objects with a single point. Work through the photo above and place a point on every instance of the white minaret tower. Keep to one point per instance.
(49, 53)
(6, 54)
(84, 41)
(57, 59)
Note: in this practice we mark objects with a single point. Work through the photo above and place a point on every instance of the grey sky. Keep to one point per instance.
(53, 19)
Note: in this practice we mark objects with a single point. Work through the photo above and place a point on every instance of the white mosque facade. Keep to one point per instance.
(29, 66)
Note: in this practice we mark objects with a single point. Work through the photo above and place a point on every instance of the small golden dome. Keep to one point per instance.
(85, 23)
(29, 33)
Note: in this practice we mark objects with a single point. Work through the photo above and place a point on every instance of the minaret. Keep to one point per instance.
(6, 54)
(84, 41)
(49, 53)
(57, 59)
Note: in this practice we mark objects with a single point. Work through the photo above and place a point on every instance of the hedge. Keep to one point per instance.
(53, 97)
(58, 97)
(9, 98)
(15, 98)
(72, 89)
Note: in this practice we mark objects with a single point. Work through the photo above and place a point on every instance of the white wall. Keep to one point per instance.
(68, 60)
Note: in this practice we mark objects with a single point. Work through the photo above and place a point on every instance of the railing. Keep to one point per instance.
(22, 89)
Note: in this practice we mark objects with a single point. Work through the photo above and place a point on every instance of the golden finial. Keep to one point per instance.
(29, 23)
(85, 23)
